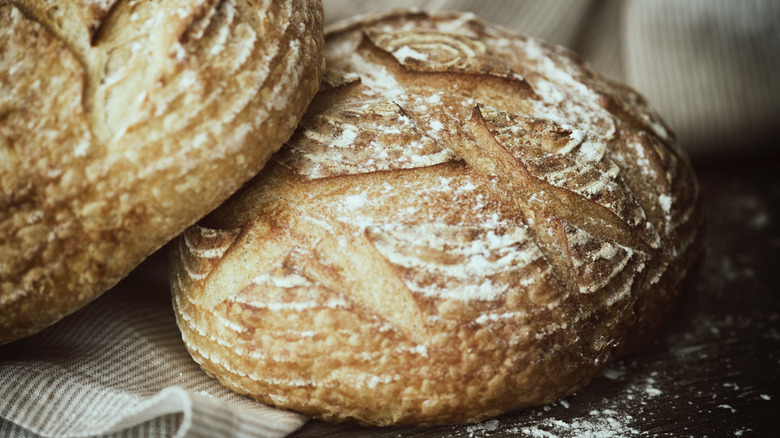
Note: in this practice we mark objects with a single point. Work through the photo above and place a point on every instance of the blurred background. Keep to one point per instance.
(710, 67)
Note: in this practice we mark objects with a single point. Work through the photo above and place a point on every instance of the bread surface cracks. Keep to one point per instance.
(486, 157)
(138, 65)
(104, 140)
(484, 153)
(151, 103)
(504, 216)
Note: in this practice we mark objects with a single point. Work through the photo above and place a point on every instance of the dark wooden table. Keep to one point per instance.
(715, 372)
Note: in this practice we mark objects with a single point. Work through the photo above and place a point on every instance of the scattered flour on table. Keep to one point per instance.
(610, 421)
(605, 423)
(480, 429)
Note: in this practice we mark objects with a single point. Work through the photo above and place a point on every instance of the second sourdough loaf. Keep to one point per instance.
(123, 122)
(466, 222)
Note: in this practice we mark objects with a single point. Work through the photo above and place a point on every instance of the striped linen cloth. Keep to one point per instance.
(119, 368)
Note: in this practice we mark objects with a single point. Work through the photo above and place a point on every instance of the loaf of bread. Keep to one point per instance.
(466, 222)
(123, 123)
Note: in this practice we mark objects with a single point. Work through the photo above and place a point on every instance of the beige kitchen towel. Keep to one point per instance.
(119, 368)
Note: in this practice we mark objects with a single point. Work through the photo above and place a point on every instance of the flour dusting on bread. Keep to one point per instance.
(467, 221)
(125, 122)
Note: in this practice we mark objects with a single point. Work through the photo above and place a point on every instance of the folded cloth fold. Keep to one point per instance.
(118, 368)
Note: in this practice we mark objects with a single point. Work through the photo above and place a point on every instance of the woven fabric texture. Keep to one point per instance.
(118, 368)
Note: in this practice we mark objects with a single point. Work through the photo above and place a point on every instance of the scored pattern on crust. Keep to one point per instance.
(125, 121)
(460, 201)
(458, 262)
(335, 144)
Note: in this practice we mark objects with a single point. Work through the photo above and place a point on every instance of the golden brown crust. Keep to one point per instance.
(125, 122)
(466, 222)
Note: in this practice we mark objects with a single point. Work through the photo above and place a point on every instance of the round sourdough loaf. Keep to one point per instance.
(466, 222)
(122, 123)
